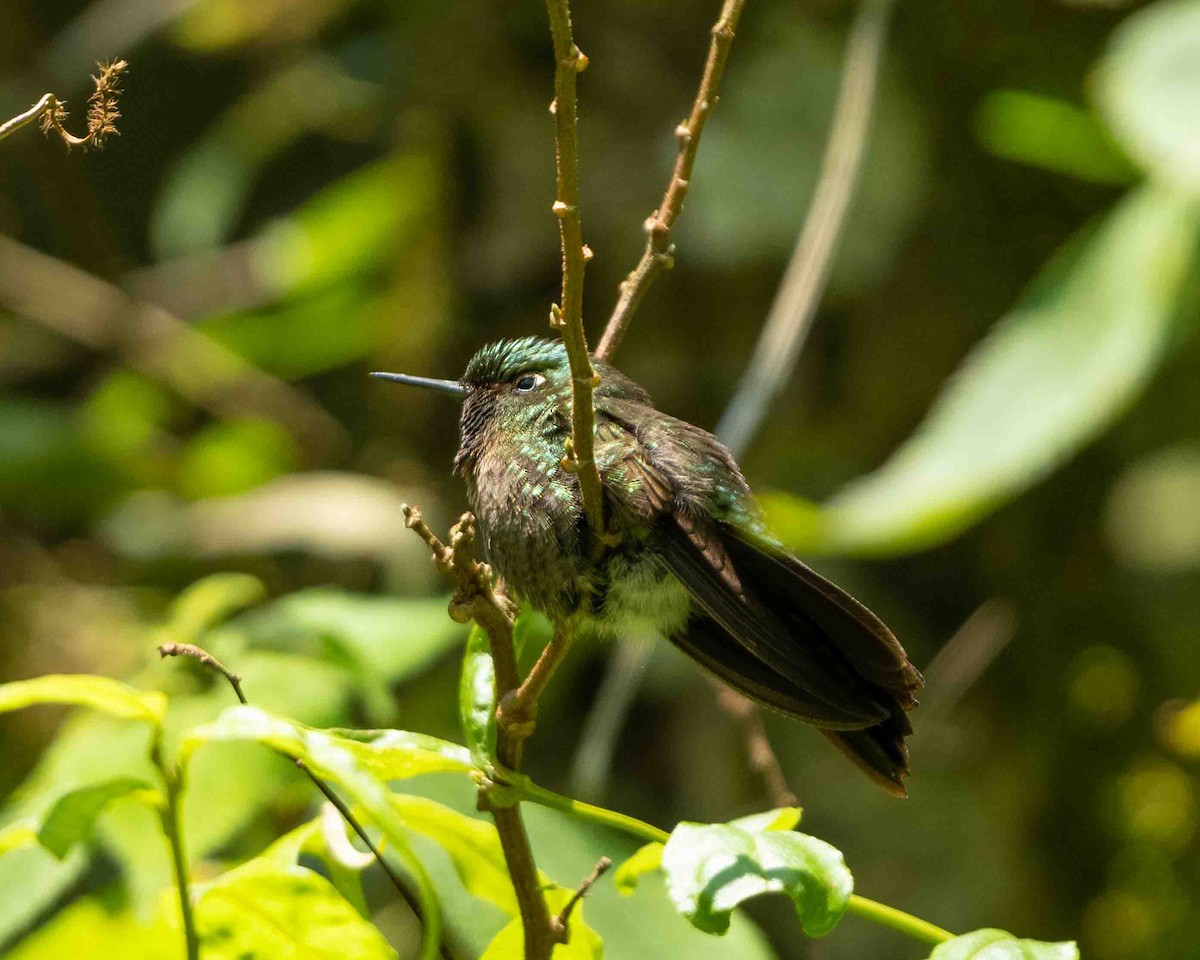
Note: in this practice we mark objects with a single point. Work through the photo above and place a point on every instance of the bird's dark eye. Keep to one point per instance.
(527, 383)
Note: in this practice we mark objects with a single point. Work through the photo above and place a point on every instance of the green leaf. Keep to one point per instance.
(472, 845)
(476, 698)
(384, 639)
(398, 754)
(93, 927)
(73, 817)
(1148, 86)
(313, 838)
(998, 945)
(1050, 133)
(711, 868)
(583, 943)
(285, 913)
(17, 835)
(647, 860)
(85, 690)
(229, 457)
(1056, 371)
(333, 758)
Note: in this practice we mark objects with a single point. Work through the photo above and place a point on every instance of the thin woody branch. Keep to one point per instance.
(476, 598)
(658, 255)
(102, 112)
(564, 917)
(567, 316)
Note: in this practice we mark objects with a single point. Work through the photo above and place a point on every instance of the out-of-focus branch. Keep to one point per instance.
(795, 304)
(658, 253)
(102, 113)
(91, 311)
(763, 759)
(967, 654)
(567, 316)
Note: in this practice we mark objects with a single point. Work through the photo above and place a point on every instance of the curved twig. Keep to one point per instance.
(795, 304)
(658, 253)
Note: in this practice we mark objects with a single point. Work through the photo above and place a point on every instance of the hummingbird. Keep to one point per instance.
(692, 561)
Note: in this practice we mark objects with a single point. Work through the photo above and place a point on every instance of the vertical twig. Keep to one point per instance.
(567, 316)
(475, 598)
(173, 828)
(795, 304)
(658, 253)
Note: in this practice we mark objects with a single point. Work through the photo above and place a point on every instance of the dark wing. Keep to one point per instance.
(779, 632)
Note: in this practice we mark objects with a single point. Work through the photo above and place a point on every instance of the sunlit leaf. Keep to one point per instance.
(73, 817)
(83, 690)
(998, 945)
(232, 456)
(398, 754)
(1055, 372)
(583, 942)
(711, 868)
(285, 913)
(476, 698)
(1148, 87)
(647, 860)
(334, 759)
(17, 835)
(92, 927)
(472, 845)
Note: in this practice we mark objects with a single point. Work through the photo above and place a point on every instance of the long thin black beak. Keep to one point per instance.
(452, 387)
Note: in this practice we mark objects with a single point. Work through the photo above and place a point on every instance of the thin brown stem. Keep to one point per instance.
(761, 754)
(9, 127)
(658, 255)
(207, 659)
(795, 305)
(518, 708)
(173, 829)
(564, 917)
(477, 598)
(102, 114)
(567, 316)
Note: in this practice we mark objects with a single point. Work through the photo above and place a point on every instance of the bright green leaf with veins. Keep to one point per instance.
(284, 913)
(999, 945)
(711, 868)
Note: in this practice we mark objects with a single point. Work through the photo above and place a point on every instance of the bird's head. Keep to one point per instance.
(514, 385)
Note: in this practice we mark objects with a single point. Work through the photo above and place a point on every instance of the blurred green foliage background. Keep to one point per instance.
(305, 190)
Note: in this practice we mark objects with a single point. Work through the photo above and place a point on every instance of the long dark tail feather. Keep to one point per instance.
(794, 642)
(879, 751)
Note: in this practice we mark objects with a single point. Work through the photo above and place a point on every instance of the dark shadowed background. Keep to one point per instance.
(306, 190)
